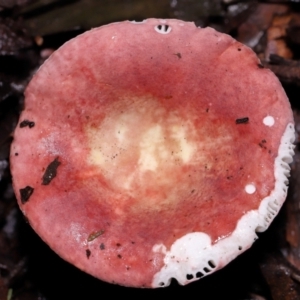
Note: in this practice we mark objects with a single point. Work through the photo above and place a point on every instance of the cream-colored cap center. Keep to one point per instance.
(152, 154)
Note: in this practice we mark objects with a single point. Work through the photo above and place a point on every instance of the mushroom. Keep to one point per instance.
(152, 150)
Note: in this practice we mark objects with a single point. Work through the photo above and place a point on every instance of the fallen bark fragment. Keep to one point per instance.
(280, 278)
(287, 70)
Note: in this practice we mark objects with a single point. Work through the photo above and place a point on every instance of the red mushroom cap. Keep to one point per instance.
(152, 150)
